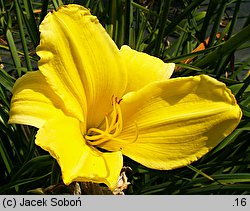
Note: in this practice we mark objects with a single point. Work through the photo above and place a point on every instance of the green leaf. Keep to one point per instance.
(6, 80)
(227, 48)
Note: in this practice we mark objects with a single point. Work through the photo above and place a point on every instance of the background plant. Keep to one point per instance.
(201, 37)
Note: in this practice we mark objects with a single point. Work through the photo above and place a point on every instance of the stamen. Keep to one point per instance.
(97, 136)
(113, 128)
(137, 133)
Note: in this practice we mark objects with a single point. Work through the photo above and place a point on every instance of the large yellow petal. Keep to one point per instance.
(33, 101)
(81, 62)
(143, 69)
(173, 123)
(63, 139)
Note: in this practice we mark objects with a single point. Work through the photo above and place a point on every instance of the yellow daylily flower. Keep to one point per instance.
(88, 95)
